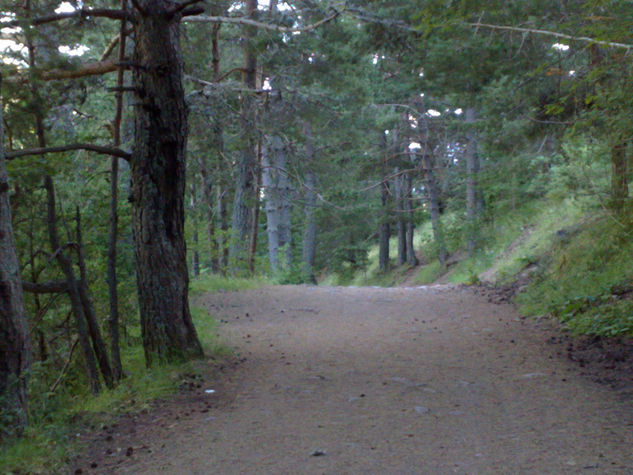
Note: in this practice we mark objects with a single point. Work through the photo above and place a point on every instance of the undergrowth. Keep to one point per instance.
(56, 419)
(585, 280)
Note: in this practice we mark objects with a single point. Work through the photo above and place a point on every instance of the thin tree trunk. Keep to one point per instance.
(113, 320)
(208, 199)
(244, 191)
(252, 250)
(73, 292)
(223, 219)
(472, 171)
(310, 225)
(278, 191)
(15, 345)
(91, 318)
(385, 227)
(195, 254)
(619, 182)
(433, 197)
(412, 260)
(272, 208)
(43, 353)
(158, 187)
(217, 146)
(400, 224)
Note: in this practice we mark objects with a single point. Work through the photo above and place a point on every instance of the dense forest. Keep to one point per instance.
(150, 144)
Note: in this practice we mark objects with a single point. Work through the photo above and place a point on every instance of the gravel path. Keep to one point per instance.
(400, 380)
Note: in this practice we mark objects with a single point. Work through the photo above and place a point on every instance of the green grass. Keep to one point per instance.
(578, 278)
(430, 273)
(51, 438)
(215, 283)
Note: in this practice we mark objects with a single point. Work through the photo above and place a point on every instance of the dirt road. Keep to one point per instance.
(401, 380)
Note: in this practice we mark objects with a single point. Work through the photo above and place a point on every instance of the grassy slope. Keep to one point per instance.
(55, 418)
(577, 256)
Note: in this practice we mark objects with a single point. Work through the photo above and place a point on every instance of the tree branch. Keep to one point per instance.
(185, 6)
(114, 152)
(259, 24)
(113, 43)
(555, 34)
(87, 69)
(46, 288)
(80, 13)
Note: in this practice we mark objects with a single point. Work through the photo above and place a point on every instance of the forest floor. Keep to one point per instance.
(436, 379)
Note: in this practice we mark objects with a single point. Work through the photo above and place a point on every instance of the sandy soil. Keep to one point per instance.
(364, 380)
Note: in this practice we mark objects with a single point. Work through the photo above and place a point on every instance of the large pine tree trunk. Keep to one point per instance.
(15, 348)
(244, 191)
(158, 187)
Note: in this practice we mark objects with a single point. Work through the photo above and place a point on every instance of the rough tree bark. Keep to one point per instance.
(15, 347)
(158, 186)
(245, 182)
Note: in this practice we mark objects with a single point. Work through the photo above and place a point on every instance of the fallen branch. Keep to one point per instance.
(113, 152)
(65, 368)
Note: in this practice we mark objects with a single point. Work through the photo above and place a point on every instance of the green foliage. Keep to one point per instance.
(56, 417)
